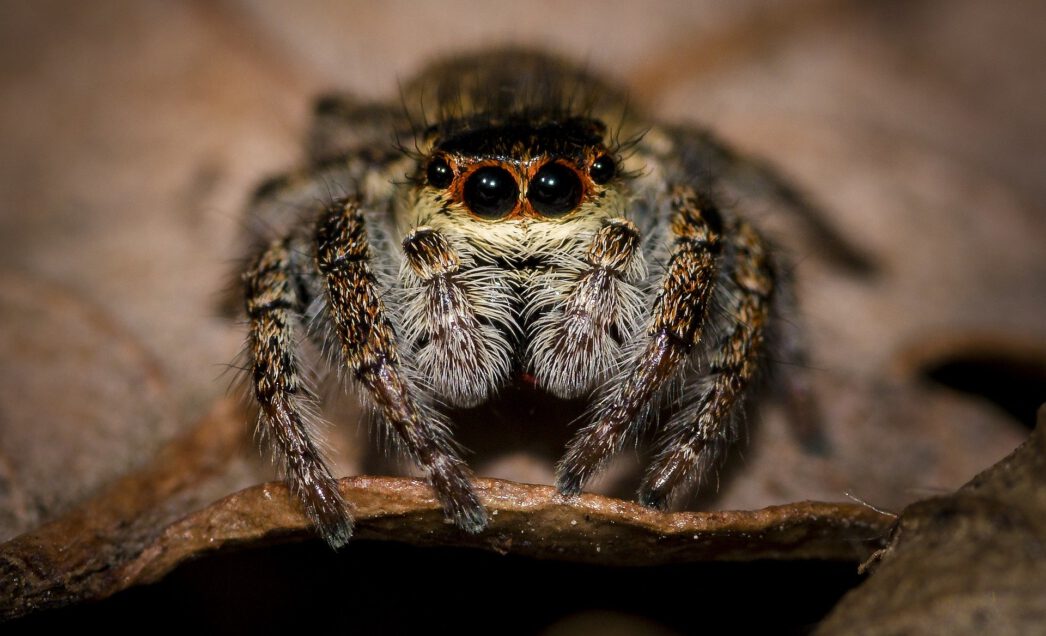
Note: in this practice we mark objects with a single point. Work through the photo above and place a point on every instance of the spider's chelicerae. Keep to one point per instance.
(510, 221)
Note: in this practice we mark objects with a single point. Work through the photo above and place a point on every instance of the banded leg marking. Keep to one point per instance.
(369, 351)
(679, 313)
(273, 306)
(695, 440)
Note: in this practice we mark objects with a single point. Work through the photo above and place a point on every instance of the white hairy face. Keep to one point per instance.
(519, 208)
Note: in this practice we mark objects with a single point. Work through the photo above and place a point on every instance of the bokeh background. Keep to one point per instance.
(133, 133)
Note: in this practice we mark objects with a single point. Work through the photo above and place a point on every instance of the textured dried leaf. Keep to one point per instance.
(135, 533)
(973, 562)
(48, 337)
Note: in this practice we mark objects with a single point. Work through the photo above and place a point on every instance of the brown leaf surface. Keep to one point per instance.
(134, 533)
(973, 562)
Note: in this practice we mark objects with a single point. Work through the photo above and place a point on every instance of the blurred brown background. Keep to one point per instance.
(133, 133)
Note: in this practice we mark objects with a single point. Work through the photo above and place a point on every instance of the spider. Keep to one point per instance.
(511, 220)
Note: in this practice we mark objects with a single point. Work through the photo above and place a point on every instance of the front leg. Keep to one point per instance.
(695, 440)
(679, 314)
(369, 350)
(274, 298)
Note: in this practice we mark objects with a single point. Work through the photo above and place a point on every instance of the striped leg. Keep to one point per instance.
(369, 352)
(676, 327)
(695, 440)
(274, 305)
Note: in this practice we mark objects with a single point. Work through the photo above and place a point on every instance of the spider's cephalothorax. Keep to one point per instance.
(517, 236)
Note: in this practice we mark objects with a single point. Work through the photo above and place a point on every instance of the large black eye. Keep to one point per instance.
(491, 192)
(603, 169)
(439, 173)
(554, 190)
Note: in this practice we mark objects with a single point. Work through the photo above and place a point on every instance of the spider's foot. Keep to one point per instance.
(461, 504)
(336, 532)
(329, 512)
(656, 499)
(569, 484)
(472, 519)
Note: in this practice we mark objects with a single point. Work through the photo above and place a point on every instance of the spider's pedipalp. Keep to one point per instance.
(676, 327)
(370, 352)
(452, 317)
(576, 345)
(274, 304)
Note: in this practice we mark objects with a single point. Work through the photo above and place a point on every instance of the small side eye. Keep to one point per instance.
(603, 169)
(491, 192)
(554, 190)
(439, 173)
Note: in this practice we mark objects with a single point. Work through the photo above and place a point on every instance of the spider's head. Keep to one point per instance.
(519, 169)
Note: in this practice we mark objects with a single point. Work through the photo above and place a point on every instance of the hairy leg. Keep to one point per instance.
(696, 438)
(369, 351)
(678, 315)
(789, 370)
(274, 304)
(717, 165)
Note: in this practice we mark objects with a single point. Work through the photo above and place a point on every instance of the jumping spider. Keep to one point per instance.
(510, 222)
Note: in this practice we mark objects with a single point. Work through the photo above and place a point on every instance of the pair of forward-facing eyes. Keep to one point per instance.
(492, 191)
